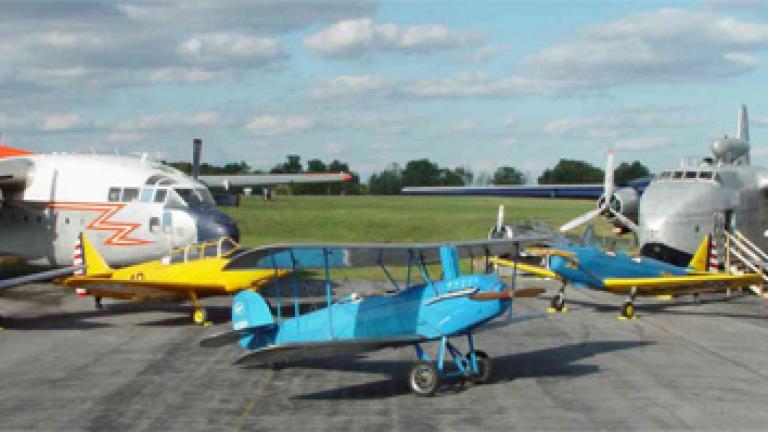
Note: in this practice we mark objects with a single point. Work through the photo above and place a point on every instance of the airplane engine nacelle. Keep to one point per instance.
(625, 201)
(506, 231)
(729, 150)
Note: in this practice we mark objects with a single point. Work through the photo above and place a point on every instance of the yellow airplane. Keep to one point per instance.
(620, 273)
(193, 272)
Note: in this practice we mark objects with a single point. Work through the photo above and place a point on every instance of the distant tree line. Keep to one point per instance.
(422, 172)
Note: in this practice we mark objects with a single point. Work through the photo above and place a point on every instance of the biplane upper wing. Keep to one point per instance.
(308, 256)
(291, 352)
(690, 283)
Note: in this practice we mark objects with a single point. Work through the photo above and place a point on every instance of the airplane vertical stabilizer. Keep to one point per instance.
(701, 257)
(94, 262)
(743, 124)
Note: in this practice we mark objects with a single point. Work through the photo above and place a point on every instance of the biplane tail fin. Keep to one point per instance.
(250, 310)
(87, 255)
(701, 257)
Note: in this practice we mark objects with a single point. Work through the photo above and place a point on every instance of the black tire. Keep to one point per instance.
(558, 302)
(628, 310)
(423, 378)
(485, 366)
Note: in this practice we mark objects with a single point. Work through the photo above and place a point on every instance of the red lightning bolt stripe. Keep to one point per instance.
(103, 223)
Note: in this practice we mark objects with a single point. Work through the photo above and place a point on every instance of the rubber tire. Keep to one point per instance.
(199, 316)
(558, 302)
(485, 364)
(628, 310)
(423, 378)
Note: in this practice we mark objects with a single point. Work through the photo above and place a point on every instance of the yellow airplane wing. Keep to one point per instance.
(680, 284)
(538, 271)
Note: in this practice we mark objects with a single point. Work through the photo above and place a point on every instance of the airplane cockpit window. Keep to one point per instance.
(690, 174)
(130, 194)
(160, 195)
(665, 174)
(706, 175)
(113, 195)
(195, 196)
(678, 174)
(147, 194)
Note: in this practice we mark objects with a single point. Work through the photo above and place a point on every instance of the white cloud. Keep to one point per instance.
(279, 125)
(661, 45)
(355, 37)
(641, 143)
(510, 121)
(171, 121)
(484, 53)
(124, 137)
(228, 49)
(347, 87)
(61, 122)
(180, 74)
(609, 126)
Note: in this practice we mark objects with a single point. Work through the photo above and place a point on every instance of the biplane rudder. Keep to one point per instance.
(250, 310)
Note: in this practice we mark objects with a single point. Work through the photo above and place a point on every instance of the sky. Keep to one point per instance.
(477, 84)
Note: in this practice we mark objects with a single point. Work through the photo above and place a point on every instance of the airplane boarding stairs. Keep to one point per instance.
(742, 255)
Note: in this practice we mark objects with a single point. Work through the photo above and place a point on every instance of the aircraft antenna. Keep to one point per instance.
(197, 149)
(743, 124)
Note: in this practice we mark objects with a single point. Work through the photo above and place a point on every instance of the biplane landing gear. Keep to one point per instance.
(425, 376)
(628, 307)
(97, 303)
(558, 302)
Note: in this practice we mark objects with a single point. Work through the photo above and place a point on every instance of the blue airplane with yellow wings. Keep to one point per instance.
(418, 310)
(620, 273)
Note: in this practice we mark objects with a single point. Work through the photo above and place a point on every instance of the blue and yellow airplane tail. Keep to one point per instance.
(700, 260)
(87, 255)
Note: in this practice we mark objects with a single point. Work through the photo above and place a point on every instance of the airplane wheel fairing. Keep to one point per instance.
(199, 316)
(484, 366)
(558, 302)
(423, 378)
(628, 310)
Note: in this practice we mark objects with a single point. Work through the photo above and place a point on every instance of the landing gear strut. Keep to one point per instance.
(628, 307)
(199, 314)
(97, 303)
(558, 301)
(425, 376)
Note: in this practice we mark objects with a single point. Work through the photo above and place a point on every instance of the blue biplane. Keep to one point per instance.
(414, 313)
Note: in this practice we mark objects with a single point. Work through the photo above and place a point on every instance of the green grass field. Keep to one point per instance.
(391, 218)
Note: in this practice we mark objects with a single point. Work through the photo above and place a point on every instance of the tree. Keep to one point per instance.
(292, 165)
(421, 172)
(316, 166)
(466, 175)
(571, 171)
(507, 175)
(449, 177)
(387, 182)
(626, 172)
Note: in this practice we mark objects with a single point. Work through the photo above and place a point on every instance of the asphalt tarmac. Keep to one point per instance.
(66, 366)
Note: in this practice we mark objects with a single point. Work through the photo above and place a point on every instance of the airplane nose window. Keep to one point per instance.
(160, 195)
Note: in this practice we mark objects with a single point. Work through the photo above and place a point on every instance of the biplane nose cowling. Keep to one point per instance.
(213, 224)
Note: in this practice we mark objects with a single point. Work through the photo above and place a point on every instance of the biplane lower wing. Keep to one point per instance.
(291, 352)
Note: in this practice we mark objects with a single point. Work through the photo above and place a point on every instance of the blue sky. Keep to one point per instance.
(464, 83)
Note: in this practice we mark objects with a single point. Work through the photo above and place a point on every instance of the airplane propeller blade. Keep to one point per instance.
(627, 222)
(608, 180)
(573, 223)
(500, 218)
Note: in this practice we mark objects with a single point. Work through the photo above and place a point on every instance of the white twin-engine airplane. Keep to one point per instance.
(133, 209)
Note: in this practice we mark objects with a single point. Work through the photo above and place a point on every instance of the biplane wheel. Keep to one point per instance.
(199, 316)
(423, 378)
(484, 366)
(628, 310)
(558, 302)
